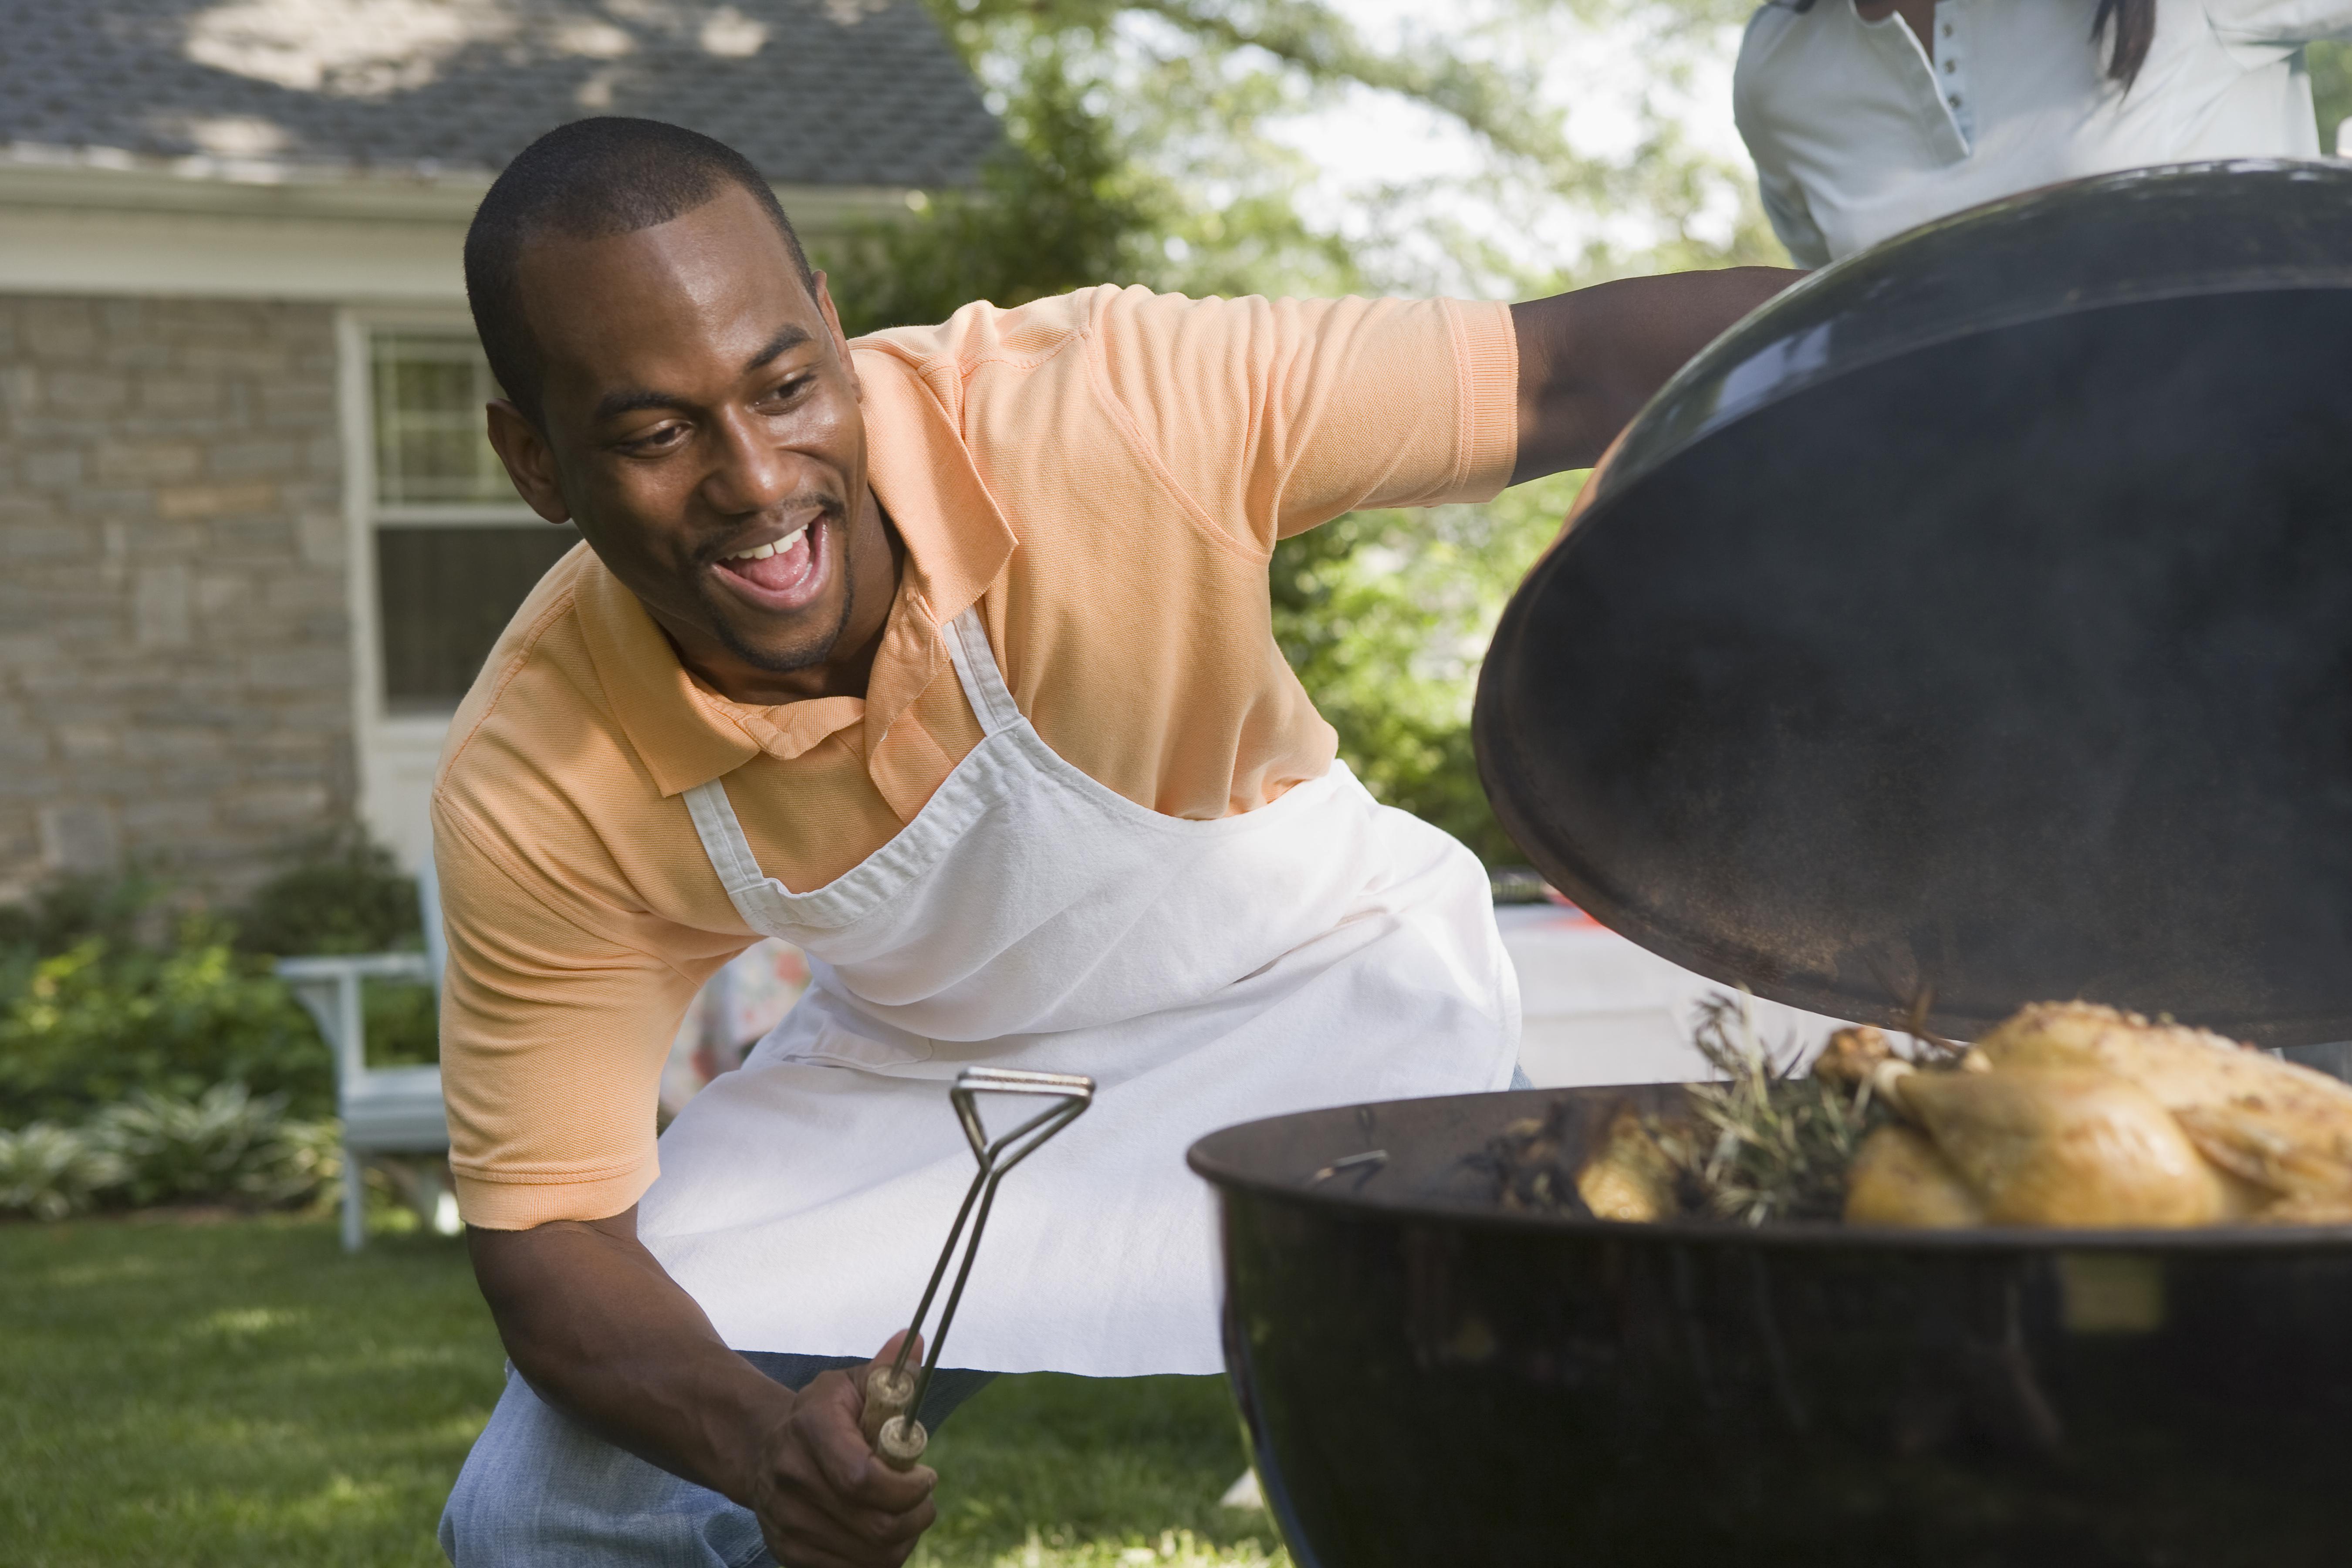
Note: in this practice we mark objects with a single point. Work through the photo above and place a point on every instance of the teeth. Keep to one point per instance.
(761, 552)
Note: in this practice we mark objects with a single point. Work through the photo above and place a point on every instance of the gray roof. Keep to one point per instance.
(861, 92)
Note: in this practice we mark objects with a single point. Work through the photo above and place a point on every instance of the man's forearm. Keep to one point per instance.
(1589, 359)
(601, 1333)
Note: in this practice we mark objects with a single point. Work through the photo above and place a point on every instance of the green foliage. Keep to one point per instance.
(92, 1024)
(1768, 1144)
(341, 895)
(223, 1145)
(1058, 209)
(1198, 96)
(344, 894)
(72, 910)
(92, 1009)
(2331, 88)
(50, 1172)
(1385, 615)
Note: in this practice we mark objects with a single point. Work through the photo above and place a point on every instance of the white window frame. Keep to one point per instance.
(395, 752)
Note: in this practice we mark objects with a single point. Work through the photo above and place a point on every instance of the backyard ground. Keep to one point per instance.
(235, 1392)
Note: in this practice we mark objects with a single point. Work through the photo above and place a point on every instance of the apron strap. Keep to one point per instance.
(975, 665)
(730, 851)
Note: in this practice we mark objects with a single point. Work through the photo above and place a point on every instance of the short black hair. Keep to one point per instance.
(612, 174)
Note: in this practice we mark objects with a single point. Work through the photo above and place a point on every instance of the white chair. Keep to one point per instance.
(384, 1111)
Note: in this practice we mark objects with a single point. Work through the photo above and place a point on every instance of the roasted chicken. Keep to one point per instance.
(2070, 1114)
(1631, 1178)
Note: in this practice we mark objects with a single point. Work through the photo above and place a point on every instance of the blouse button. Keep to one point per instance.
(1954, 100)
(1951, 66)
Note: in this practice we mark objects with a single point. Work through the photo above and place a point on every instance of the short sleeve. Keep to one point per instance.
(552, 1042)
(1273, 416)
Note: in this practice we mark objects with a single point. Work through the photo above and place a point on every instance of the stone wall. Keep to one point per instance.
(174, 647)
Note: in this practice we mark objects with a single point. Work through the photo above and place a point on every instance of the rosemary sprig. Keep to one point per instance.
(1767, 1145)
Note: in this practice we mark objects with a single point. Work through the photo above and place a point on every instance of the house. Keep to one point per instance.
(253, 545)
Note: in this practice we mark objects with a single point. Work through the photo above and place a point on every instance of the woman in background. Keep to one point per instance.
(1868, 117)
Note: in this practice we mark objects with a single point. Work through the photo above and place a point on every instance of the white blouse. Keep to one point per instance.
(1858, 135)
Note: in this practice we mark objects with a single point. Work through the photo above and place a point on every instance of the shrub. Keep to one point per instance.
(1386, 617)
(50, 1172)
(224, 1145)
(89, 1026)
(102, 994)
(72, 910)
(342, 894)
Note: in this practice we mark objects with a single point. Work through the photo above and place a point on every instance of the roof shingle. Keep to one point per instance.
(825, 93)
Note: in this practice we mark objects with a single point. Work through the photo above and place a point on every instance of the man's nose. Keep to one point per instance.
(750, 474)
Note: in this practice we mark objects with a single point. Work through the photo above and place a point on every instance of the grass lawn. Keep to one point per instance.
(241, 1393)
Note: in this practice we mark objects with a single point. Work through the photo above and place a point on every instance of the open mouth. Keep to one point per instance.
(784, 573)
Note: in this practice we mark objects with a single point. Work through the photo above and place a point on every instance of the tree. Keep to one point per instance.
(1057, 208)
(1140, 147)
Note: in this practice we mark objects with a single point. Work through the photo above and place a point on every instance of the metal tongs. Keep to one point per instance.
(894, 1393)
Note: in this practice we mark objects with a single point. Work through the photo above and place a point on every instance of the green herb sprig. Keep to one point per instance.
(1767, 1145)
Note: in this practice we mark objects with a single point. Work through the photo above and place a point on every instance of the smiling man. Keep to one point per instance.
(946, 654)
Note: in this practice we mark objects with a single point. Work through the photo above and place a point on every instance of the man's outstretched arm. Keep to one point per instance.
(1589, 359)
(604, 1334)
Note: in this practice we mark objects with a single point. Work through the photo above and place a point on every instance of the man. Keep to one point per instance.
(947, 657)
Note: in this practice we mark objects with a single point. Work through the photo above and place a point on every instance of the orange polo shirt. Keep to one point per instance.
(1105, 475)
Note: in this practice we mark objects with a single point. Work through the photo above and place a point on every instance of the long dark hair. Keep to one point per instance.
(2134, 22)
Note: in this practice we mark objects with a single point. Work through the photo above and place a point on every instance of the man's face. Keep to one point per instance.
(702, 428)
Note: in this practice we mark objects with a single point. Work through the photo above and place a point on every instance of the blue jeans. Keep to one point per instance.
(540, 1488)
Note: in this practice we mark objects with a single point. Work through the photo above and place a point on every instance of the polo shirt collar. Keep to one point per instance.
(957, 544)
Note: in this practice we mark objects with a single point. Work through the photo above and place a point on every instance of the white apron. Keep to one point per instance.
(1319, 951)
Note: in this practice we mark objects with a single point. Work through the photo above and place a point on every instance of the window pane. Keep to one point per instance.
(445, 595)
(429, 442)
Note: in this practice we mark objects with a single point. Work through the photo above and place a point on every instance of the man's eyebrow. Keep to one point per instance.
(786, 340)
(613, 404)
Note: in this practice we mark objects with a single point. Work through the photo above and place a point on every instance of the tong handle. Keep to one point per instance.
(890, 1393)
(901, 1442)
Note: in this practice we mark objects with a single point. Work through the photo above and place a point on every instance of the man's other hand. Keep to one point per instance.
(601, 1333)
(822, 1497)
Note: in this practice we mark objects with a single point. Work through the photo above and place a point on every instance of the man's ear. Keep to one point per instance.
(832, 324)
(531, 464)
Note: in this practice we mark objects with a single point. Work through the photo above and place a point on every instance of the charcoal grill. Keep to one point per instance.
(1971, 626)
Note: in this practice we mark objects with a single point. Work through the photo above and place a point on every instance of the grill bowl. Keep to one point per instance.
(1425, 1379)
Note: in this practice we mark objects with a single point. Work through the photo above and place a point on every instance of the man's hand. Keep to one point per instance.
(601, 1333)
(824, 1499)
(1589, 360)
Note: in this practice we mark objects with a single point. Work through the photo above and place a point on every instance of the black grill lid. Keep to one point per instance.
(1976, 621)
